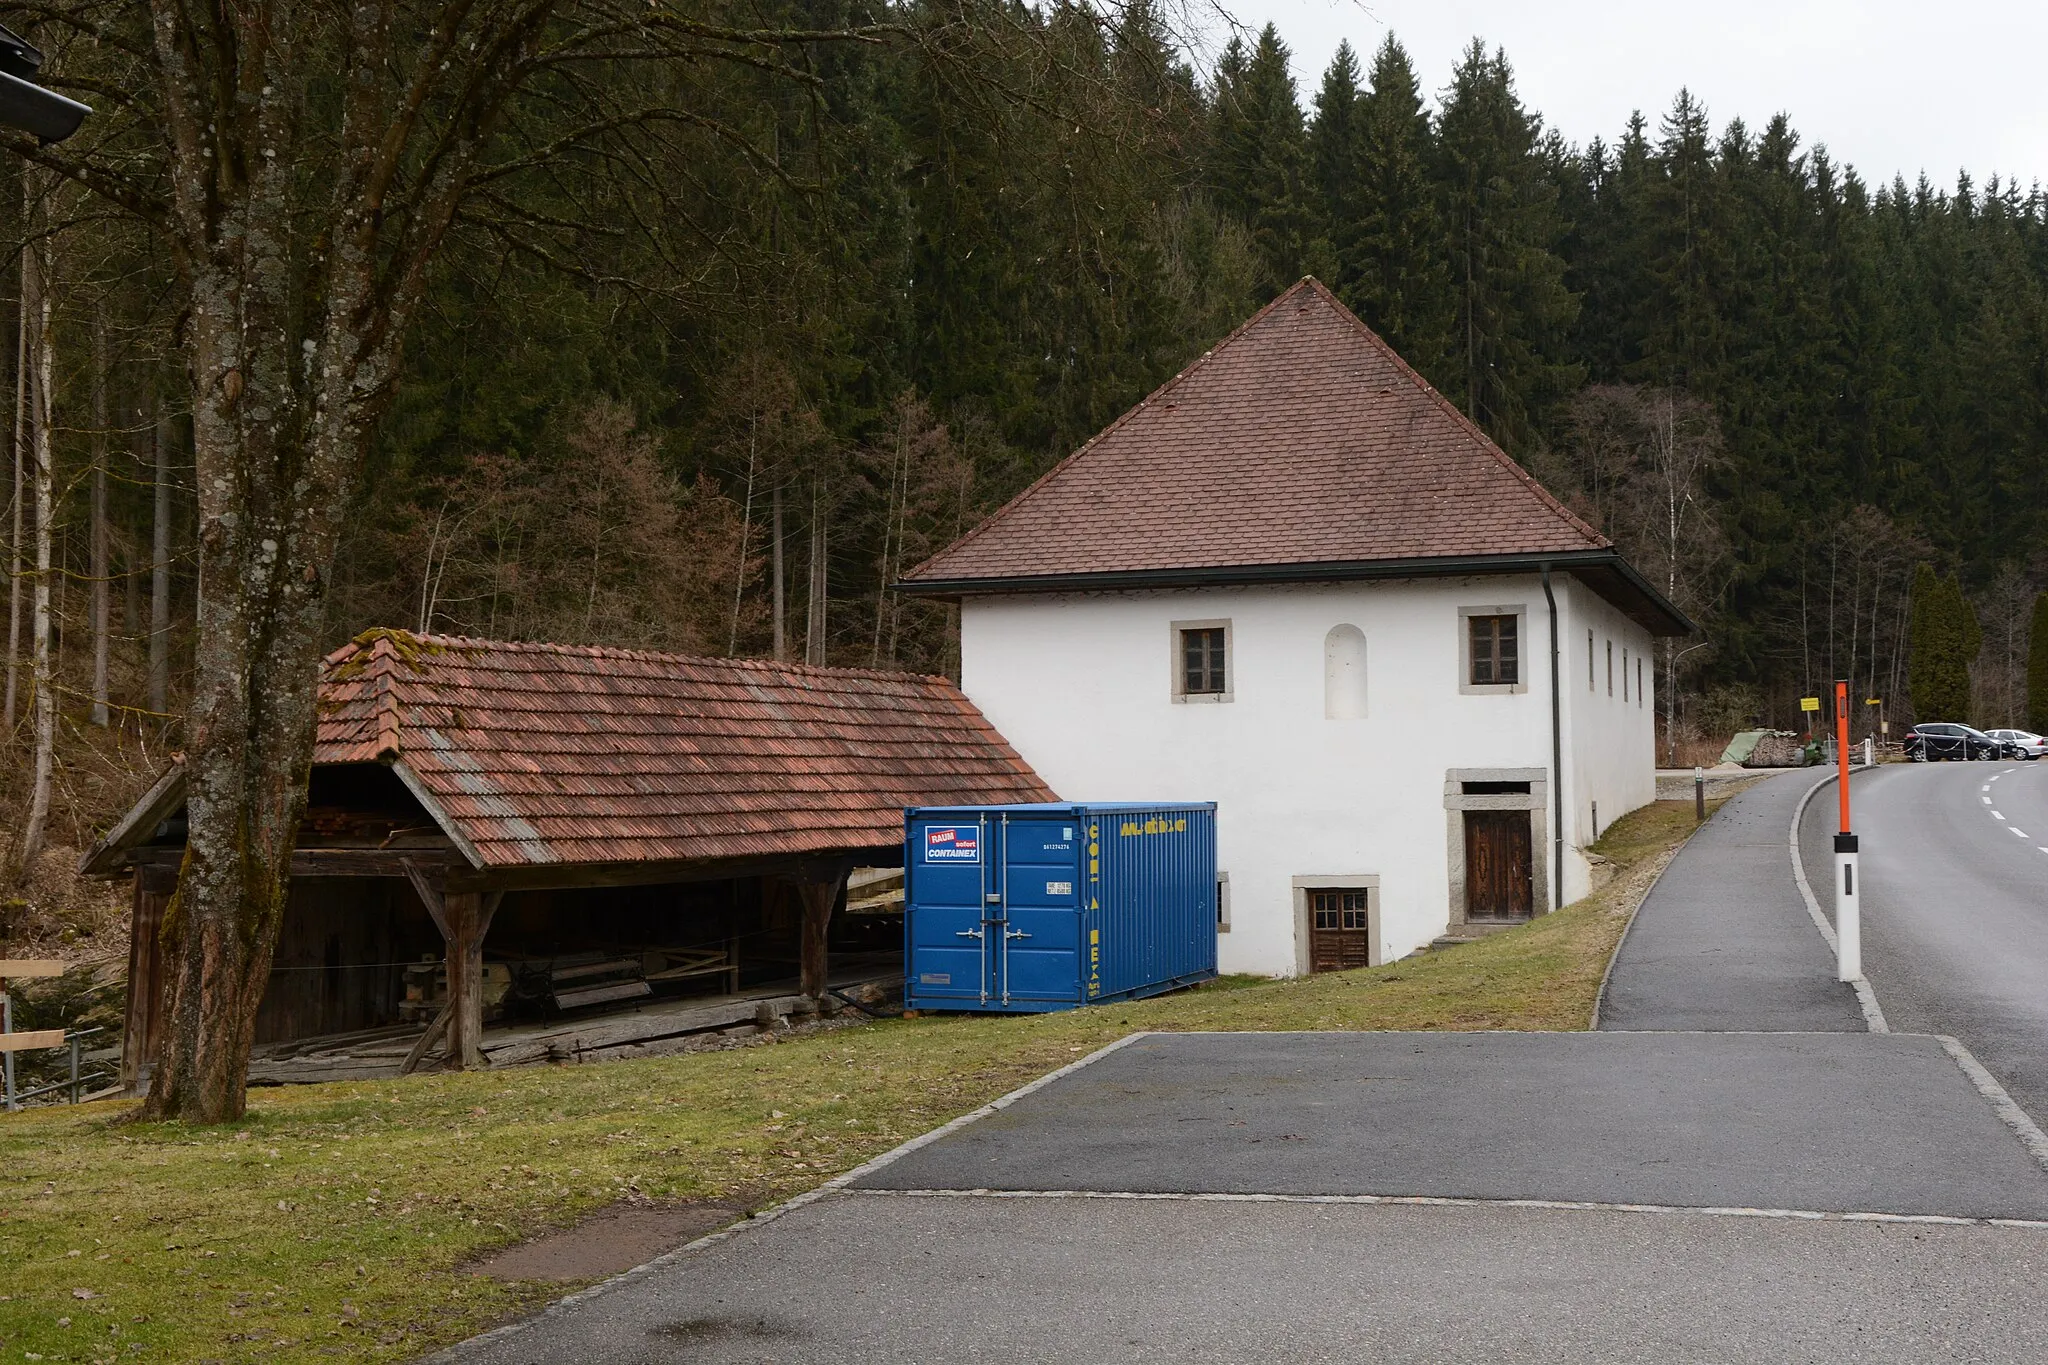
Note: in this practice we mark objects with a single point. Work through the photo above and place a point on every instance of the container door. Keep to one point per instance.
(1040, 962)
(951, 874)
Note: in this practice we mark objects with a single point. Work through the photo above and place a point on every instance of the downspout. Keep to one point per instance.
(1556, 757)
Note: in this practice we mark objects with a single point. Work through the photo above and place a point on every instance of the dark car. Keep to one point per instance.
(1941, 739)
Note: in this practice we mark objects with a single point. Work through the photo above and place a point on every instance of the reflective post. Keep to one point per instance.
(1699, 795)
(1848, 913)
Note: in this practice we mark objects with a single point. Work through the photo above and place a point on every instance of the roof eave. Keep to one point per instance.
(1623, 586)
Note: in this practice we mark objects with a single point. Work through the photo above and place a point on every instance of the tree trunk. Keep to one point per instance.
(160, 574)
(775, 573)
(26, 306)
(102, 558)
(42, 680)
(814, 627)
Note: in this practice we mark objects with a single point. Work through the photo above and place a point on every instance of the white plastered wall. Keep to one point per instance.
(1610, 737)
(1082, 685)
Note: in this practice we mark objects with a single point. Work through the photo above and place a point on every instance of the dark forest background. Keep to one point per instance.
(880, 299)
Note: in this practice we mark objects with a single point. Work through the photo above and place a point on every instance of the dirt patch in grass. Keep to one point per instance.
(347, 1220)
(608, 1242)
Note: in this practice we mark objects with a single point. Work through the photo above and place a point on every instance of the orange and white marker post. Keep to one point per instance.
(1848, 912)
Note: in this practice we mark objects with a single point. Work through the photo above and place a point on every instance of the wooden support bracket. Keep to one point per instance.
(427, 1040)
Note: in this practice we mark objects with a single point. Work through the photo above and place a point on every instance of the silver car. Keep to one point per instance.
(2027, 742)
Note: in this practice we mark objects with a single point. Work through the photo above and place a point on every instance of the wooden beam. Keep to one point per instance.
(22, 969)
(434, 1031)
(143, 1026)
(820, 889)
(327, 862)
(22, 1042)
(467, 921)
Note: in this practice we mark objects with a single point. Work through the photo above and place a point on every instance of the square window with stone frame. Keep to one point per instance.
(1202, 662)
(1495, 656)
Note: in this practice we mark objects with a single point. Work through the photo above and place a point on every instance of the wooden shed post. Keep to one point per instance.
(467, 925)
(820, 888)
(153, 889)
(463, 917)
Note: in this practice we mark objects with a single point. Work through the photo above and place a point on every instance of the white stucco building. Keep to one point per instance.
(1296, 582)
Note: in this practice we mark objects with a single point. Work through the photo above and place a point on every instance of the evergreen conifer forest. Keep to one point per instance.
(712, 387)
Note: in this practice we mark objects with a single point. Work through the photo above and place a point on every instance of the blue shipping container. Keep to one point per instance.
(1029, 908)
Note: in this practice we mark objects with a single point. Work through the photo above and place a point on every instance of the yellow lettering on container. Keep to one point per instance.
(1155, 825)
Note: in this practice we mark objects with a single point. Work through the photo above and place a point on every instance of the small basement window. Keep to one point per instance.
(1494, 788)
(1495, 651)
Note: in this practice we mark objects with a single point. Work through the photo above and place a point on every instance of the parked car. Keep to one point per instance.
(2021, 743)
(1942, 740)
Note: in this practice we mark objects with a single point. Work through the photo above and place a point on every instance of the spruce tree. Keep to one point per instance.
(1394, 272)
(1513, 312)
(1943, 643)
(1333, 149)
(2037, 668)
(1261, 158)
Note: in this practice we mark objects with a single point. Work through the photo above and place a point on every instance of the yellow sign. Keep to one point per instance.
(1873, 701)
(1809, 703)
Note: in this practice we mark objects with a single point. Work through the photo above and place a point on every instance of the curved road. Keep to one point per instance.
(1955, 906)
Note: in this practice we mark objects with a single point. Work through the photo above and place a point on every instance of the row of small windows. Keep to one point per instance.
(1493, 660)
(1590, 687)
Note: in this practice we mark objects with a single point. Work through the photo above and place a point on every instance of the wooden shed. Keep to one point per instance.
(515, 835)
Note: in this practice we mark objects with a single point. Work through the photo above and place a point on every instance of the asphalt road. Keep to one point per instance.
(1955, 906)
(927, 1280)
(1834, 1122)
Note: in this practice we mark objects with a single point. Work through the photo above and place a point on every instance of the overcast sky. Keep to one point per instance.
(1888, 86)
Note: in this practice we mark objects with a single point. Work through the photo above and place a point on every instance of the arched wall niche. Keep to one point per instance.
(1344, 673)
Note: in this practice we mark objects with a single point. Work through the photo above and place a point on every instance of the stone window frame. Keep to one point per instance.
(1518, 610)
(1536, 801)
(1176, 662)
(1368, 882)
(1222, 902)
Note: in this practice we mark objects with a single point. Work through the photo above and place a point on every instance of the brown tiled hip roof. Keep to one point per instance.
(1299, 439)
(537, 754)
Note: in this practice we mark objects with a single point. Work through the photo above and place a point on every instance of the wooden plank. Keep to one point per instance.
(23, 968)
(602, 994)
(23, 1042)
(638, 1027)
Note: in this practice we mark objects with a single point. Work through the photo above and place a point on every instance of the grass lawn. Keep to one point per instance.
(337, 1220)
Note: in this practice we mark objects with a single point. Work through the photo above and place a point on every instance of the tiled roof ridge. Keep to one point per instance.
(1457, 414)
(384, 656)
(1099, 437)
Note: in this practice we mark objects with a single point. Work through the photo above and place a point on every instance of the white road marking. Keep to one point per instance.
(1448, 1202)
(1985, 799)
(2022, 833)
(1996, 816)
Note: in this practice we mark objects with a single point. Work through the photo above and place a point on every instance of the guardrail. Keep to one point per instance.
(12, 1042)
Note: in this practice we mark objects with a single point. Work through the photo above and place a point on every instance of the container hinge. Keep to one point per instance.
(967, 933)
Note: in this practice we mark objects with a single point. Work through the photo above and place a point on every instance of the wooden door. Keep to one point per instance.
(1497, 866)
(1339, 935)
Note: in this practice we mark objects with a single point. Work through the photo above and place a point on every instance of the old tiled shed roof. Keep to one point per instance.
(544, 755)
(1299, 440)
